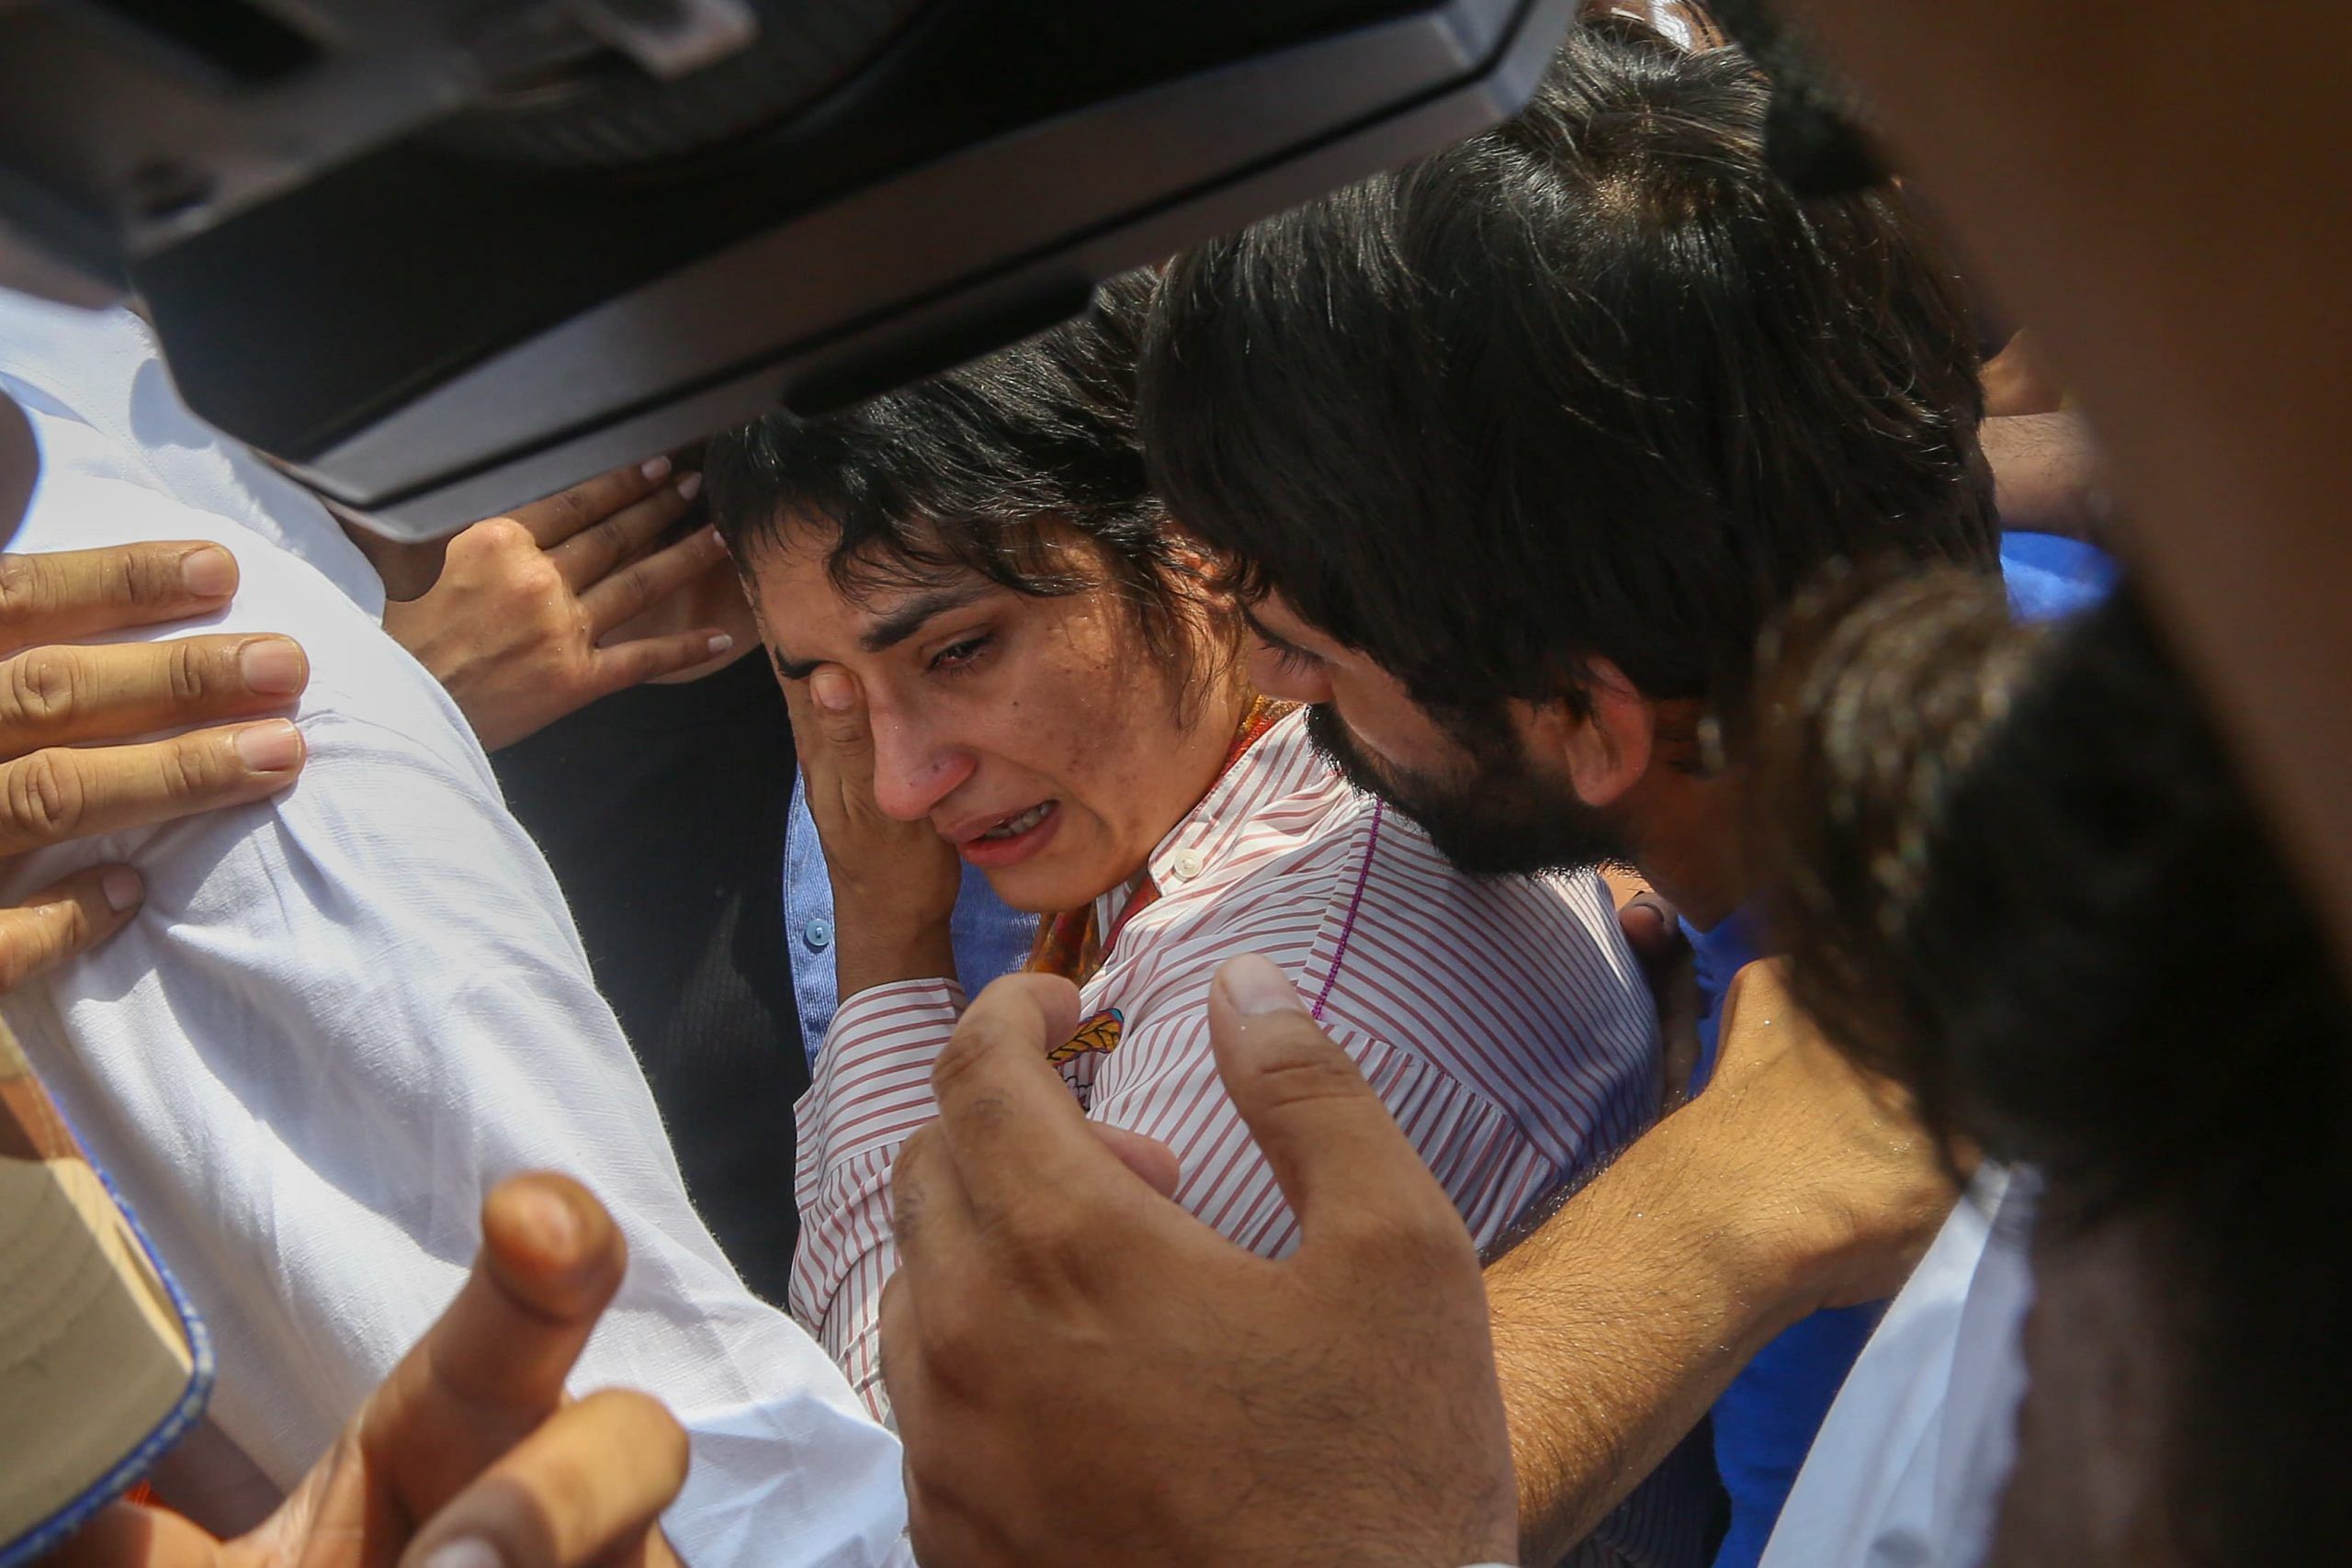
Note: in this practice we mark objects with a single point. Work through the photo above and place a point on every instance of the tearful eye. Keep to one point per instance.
(958, 656)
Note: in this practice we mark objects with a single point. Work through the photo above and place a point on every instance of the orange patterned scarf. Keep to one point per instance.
(1070, 944)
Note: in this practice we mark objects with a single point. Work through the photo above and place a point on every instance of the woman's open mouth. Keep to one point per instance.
(1014, 839)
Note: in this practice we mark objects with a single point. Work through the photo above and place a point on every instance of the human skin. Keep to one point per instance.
(1793, 1184)
(984, 705)
(532, 615)
(74, 761)
(2190, 283)
(1085, 1374)
(1082, 1371)
(469, 1454)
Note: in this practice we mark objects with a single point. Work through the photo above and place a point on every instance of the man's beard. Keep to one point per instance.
(1497, 819)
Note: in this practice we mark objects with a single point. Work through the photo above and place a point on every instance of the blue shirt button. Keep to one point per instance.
(818, 935)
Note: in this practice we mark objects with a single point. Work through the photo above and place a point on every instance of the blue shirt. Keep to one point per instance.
(991, 937)
(1766, 1419)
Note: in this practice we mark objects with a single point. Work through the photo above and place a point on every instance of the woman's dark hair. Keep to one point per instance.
(2018, 873)
(990, 467)
(1595, 383)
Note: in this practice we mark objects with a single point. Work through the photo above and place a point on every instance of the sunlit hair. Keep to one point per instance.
(1025, 466)
(2019, 872)
(1595, 384)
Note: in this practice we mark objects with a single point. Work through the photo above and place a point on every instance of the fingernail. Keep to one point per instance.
(271, 747)
(466, 1552)
(689, 487)
(122, 887)
(720, 643)
(1254, 988)
(831, 691)
(272, 666)
(555, 1227)
(209, 573)
(655, 470)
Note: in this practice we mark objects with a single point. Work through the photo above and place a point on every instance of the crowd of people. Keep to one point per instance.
(1499, 870)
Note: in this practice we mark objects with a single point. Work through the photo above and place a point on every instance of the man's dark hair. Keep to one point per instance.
(2023, 877)
(1592, 384)
(990, 467)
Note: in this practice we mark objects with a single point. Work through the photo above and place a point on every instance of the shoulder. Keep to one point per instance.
(356, 670)
(397, 817)
(1560, 926)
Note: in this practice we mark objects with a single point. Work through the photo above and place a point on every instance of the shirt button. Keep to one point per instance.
(1185, 864)
(819, 934)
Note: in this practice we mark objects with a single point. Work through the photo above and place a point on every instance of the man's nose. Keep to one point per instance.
(914, 769)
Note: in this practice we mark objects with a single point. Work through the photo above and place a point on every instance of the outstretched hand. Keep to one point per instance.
(1083, 1372)
(468, 1455)
(73, 764)
(519, 624)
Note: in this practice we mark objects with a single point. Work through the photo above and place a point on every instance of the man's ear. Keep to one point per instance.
(1606, 748)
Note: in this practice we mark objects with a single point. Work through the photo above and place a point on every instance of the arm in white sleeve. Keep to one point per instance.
(337, 1022)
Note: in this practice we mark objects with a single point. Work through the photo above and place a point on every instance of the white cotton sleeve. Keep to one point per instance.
(342, 1017)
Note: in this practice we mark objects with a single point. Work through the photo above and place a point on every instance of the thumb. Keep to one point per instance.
(1330, 1141)
(838, 706)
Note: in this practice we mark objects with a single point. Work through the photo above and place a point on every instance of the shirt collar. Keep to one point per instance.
(1192, 846)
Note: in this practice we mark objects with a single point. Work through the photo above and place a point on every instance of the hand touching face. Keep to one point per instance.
(1031, 733)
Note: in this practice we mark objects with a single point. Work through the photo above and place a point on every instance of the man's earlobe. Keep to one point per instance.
(1607, 747)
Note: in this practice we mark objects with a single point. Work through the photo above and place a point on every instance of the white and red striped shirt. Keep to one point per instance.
(1504, 1021)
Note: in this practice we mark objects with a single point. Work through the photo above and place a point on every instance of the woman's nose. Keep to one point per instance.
(913, 770)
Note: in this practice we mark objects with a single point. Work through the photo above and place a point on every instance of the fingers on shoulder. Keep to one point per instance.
(63, 919)
(56, 694)
(1000, 1045)
(70, 593)
(63, 792)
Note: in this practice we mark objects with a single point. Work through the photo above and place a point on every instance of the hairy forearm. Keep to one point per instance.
(1619, 1320)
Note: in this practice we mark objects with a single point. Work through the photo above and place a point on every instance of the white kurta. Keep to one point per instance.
(346, 1013)
(1908, 1468)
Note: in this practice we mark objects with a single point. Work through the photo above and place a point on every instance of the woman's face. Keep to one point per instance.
(1034, 734)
